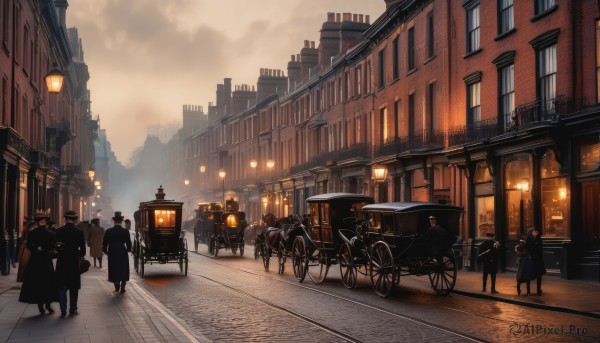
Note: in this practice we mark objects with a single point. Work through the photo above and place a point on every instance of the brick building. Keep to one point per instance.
(46, 140)
(489, 105)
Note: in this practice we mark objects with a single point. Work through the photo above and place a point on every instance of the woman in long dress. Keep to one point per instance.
(38, 278)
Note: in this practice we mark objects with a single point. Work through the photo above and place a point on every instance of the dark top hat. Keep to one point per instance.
(118, 217)
(95, 220)
(70, 214)
(39, 215)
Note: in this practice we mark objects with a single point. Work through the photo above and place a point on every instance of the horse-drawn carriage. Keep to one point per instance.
(158, 234)
(220, 228)
(318, 248)
(277, 237)
(401, 239)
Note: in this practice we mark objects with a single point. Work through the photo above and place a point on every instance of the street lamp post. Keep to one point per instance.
(222, 176)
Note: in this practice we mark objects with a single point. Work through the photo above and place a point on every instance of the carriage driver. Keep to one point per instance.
(436, 236)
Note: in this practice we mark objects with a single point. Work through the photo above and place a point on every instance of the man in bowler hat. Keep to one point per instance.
(489, 257)
(72, 248)
(116, 244)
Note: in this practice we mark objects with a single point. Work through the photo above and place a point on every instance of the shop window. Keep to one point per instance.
(555, 198)
(519, 203)
(484, 200)
(589, 157)
(418, 190)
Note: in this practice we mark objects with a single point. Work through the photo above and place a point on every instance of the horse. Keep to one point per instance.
(280, 237)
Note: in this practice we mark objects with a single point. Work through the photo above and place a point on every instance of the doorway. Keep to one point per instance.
(590, 191)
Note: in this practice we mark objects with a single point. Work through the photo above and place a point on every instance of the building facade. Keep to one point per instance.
(489, 105)
(46, 140)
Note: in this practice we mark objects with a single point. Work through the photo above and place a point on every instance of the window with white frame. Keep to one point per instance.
(506, 16)
(547, 78)
(542, 6)
(507, 94)
(473, 28)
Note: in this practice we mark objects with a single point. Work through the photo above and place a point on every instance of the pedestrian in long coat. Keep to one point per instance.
(533, 243)
(117, 244)
(38, 277)
(489, 258)
(525, 268)
(95, 241)
(70, 238)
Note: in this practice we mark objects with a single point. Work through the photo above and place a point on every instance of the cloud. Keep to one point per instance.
(147, 58)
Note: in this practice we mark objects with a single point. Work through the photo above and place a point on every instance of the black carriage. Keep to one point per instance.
(159, 238)
(401, 241)
(207, 214)
(227, 229)
(333, 218)
(278, 237)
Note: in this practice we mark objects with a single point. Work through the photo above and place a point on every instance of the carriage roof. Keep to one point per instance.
(160, 202)
(335, 196)
(406, 207)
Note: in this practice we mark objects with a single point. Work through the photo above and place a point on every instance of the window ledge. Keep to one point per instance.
(474, 52)
(543, 14)
(429, 59)
(505, 34)
(411, 71)
(394, 81)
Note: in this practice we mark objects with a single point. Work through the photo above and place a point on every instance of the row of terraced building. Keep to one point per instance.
(489, 105)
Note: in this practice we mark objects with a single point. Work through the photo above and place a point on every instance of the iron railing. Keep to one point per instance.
(355, 151)
(481, 130)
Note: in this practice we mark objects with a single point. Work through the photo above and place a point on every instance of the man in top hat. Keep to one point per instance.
(489, 257)
(117, 244)
(95, 241)
(67, 265)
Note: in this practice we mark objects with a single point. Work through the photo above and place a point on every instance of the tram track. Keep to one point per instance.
(412, 319)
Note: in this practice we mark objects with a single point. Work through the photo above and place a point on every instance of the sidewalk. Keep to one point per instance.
(104, 316)
(571, 296)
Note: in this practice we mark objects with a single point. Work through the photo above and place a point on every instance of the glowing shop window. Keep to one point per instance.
(164, 218)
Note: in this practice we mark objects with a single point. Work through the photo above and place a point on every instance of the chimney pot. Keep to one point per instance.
(312, 44)
(293, 58)
(298, 57)
(337, 18)
(330, 16)
(360, 18)
(355, 17)
(367, 19)
(306, 44)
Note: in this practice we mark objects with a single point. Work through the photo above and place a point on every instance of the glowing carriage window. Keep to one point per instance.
(164, 218)
(231, 220)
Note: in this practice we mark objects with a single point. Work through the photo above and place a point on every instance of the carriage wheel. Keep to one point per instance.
(136, 258)
(266, 255)
(347, 267)
(299, 260)
(443, 277)
(142, 261)
(382, 269)
(257, 249)
(242, 249)
(214, 246)
(211, 245)
(281, 257)
(318, 266)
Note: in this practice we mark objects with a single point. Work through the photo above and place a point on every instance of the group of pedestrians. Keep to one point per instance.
(530, 261)
(43, 285)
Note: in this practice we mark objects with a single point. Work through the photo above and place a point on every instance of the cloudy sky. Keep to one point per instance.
(147, 58)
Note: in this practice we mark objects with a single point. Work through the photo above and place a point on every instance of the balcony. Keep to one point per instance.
(419, 141)
(357, 151)
(57, 135)
(479, 131)
(11, 141)
(546, 111)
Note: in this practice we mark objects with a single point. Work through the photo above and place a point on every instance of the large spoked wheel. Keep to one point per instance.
(347, 267)
(318, 266)
(242, 249)
(142, 262)
(382, 269)
(281, 257)
(443, 277)
(299, 259)
(266, 255)
(186, 264)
